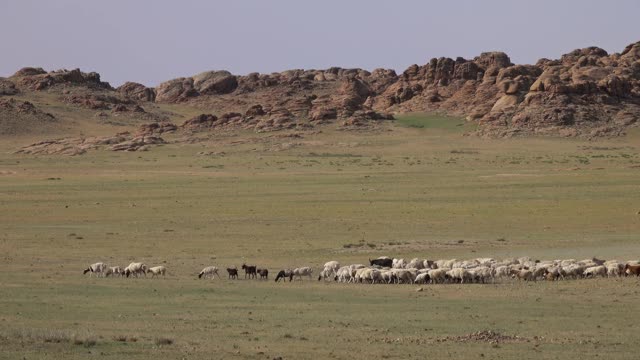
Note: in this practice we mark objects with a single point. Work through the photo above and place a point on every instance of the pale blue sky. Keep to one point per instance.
(153, 41)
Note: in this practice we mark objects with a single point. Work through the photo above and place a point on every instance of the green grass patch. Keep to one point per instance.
(433, 121)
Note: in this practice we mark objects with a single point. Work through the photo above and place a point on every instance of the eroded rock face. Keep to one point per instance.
(7, 87)
(580, 94)
(78, 146)
(38, 79)
(176, 90)
(577, 95)
(215, 82)
(137, 91)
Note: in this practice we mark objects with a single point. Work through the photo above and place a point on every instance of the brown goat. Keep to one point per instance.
(632, 270)
(249, 270)
(264, 273)
(233, 273)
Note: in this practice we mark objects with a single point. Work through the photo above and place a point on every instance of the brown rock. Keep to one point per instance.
(255, 110)
(137, 91)
(176, 90)
(215, 82)
(7, 87)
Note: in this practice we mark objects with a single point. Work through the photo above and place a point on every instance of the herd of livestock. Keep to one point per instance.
(385, 270)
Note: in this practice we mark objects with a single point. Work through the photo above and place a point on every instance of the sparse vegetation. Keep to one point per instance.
(162, 341)
(163, 205)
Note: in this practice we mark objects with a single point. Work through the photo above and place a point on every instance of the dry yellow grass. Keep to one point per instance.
(408, 192)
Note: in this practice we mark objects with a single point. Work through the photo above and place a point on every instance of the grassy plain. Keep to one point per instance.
(417, 188)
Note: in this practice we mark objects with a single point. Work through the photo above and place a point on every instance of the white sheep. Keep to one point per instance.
(97, 268)
(157, 271)
(460, 274)
(344, 274)
(404, 276)
(136, 269)
(480, 274)
(386, 276)
(305, 271)
(594, 271)
(373, 275)
(502, 271)
(330, 270)
(422, 278)
(209, 271)
(615, 269)
(115, 271)
(523, 274)
(437, 275)
(571, 271)
(415, 264)
(445, 264)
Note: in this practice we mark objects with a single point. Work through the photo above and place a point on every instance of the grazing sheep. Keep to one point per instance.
(326, 274)
(501, 272)
(572, 271)
(437, 276)
(615, 269)
(209, 271)
(415, 264)
(329, 271)
(135, 269)
(445, 264)
(552, 273)
(97, 268)
(595, 271)
(343, 274)
(398, 264)
(485, 261)
(460, 274)
(523, 274)
(372, 275)
(422, 278)
(303, 271)
(386, 276)
(115, 271)
(157, 271)
(403, 276)
(233, 273)
(481, 274)
(283, 274)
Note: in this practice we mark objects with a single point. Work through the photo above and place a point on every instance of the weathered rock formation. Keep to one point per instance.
(586, 92)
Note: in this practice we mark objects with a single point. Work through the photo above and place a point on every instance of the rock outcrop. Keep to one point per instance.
(78, 146)
(586, 92)
(137, 91)
(22, 117)
(38, 79)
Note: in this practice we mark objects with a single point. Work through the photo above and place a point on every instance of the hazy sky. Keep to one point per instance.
(153, 41)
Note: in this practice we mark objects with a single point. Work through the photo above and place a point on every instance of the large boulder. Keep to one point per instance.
(7, 87)
(176, 90)
(137, 91)
(215, 82)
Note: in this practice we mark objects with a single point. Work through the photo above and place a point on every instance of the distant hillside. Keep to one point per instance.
(586, 92)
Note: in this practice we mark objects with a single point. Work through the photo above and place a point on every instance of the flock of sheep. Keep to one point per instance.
(134, 269)
(399, 271)
(480, 270)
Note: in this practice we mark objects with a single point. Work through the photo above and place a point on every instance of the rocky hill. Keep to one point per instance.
(586, 92)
